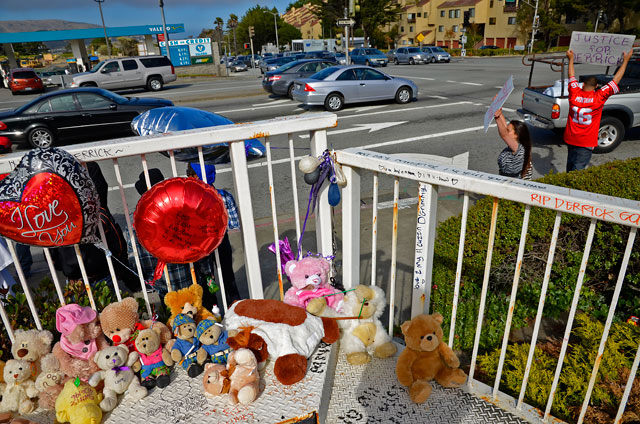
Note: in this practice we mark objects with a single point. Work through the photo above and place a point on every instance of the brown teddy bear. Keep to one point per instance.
(427, 358)
(187, 301)
(121, 324)
(32, 346)
(154, 360)
(240, 377)
(215, 379)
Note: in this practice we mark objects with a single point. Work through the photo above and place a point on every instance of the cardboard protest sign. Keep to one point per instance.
(498, 101)
(599, 48)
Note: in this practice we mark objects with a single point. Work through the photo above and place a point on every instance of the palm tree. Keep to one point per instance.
(219, 23)
(232, 23)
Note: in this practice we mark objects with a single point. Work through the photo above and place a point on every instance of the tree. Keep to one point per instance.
(287, 32)
(375, 14)
(34, 48)
(262, 21)
(232, 24)
(128, 46)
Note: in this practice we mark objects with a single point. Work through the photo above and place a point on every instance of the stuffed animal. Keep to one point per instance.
(364, 337)
(187, 301)
(2, 383)
(120, 323)
(243, 374)
(78, 403)
(213, 342)
(310, 280)
(20, 389)
(115, 362)
(427, 358)
(286, 334)
(32, 346)
(215, 379)
(81, 339)
(49, 382)
(154, 360)
(185, 348)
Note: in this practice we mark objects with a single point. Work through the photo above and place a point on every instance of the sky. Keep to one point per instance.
(195, 14)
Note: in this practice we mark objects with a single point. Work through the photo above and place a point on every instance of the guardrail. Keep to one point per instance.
(428, 179)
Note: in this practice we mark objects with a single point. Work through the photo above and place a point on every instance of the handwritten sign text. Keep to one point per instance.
(600, 49)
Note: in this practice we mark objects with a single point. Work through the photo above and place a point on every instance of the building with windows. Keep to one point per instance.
(304, 19)
(440, 22)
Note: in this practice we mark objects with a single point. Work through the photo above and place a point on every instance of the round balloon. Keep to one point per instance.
(49, 200)
(180, 220)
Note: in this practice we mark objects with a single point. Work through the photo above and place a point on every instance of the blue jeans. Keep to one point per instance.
(578, 157)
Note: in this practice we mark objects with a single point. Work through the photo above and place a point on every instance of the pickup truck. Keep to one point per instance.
(620, 113)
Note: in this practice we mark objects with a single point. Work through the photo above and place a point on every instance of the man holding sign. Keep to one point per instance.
(583, 123)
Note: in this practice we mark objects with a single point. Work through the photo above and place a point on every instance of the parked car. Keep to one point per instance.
(273, 64)
(489, 47)
(24, 80)
(319, 54)
(79, 113)
(437, 54)
(46, 75)
(256, 60)
(151, 72)
(336, 86)
(238, 66)
(281, 80)
(341, 58)
(391, 55)
(368, 57)
(410, 55)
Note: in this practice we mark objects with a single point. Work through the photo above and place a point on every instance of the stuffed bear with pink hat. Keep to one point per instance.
(81, 338)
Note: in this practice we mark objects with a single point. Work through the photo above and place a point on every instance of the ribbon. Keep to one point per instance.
(286, 254)
(122, 368)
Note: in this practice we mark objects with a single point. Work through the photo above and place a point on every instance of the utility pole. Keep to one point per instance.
(164, 30)
(597, 20)
(346, 38)
(275, 23)
(534, 26)
(251, 34)
(106, 39)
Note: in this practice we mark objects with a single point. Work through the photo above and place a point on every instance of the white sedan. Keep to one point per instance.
(336, 86)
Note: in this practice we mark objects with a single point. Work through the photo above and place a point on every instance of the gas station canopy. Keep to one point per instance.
(87, 33)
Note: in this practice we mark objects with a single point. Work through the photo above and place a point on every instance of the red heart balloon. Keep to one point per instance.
(48, 214)
(49, 200)
(180, 220)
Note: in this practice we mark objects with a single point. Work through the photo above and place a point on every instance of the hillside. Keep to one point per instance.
(42, 25)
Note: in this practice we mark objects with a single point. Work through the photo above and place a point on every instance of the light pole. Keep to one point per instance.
(275, 23)
(164, 30)
(106, 39)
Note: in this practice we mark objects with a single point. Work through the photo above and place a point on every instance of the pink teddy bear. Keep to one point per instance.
(310, 280)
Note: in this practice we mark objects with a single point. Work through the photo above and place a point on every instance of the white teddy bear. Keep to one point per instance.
(20, 388)
(116, 362)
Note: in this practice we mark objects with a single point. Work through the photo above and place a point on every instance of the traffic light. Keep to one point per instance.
(338, 39)
(246, 45)
(252, 32)
(466, 18)
(354, 7)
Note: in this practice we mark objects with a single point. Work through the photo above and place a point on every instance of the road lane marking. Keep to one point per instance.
(471, 83)
(253, 108)
(408, 77)
(365, 108)
(175, 93)
(403, 110)
(438, 97)
(273, 102)
(376, 126)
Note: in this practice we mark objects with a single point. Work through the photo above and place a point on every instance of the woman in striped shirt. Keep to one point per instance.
(515, 160)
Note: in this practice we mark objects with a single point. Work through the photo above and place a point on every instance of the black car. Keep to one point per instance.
(281, 80)
(80, 114)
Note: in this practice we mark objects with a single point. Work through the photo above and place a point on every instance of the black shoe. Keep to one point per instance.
(148, 383)
(163, 381)
(195, 370)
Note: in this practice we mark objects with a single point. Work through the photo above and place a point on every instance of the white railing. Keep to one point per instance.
(427, 178)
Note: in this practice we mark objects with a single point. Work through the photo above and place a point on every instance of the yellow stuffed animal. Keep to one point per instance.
(78, 404)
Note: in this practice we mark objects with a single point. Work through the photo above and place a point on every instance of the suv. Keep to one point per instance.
(151, 72)
(24, 79)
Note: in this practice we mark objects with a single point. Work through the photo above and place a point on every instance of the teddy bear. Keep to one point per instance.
(286, 334)
(365, 336)
(50, 377)
(310, 286)
(81, 338)
(32, 346)
(2, 383)
(154, 360)
(427, 358)
(213, 342)
(115, 362)
(187, 301)
(78, 403)
(120, 323)
(239, 378)
(185, 348)
(20, 388)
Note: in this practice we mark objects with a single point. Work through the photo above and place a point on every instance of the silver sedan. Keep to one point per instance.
(336, 86)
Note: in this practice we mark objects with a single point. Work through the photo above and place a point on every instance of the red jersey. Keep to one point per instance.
(585, 111)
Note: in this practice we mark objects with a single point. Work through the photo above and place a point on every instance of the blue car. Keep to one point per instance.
(368, 57)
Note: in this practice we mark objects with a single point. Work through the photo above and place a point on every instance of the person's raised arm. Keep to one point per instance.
(504, 133)
(625, 59)
(572, 69)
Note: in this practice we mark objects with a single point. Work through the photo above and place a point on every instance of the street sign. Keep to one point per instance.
(463, 39)
(463, 52)
(420, 37)
(343, 22)
(189, 51)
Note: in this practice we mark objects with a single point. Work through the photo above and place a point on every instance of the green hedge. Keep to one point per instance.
(615, 179)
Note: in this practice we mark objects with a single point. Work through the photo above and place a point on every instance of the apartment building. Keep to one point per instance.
(304, 19)
(440, 22)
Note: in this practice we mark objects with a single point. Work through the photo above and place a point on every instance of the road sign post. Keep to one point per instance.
(251, 34)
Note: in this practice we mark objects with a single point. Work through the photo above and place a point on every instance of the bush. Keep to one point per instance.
(612, 376)
(612, 179)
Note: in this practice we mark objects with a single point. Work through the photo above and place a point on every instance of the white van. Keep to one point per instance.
(151, 72)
